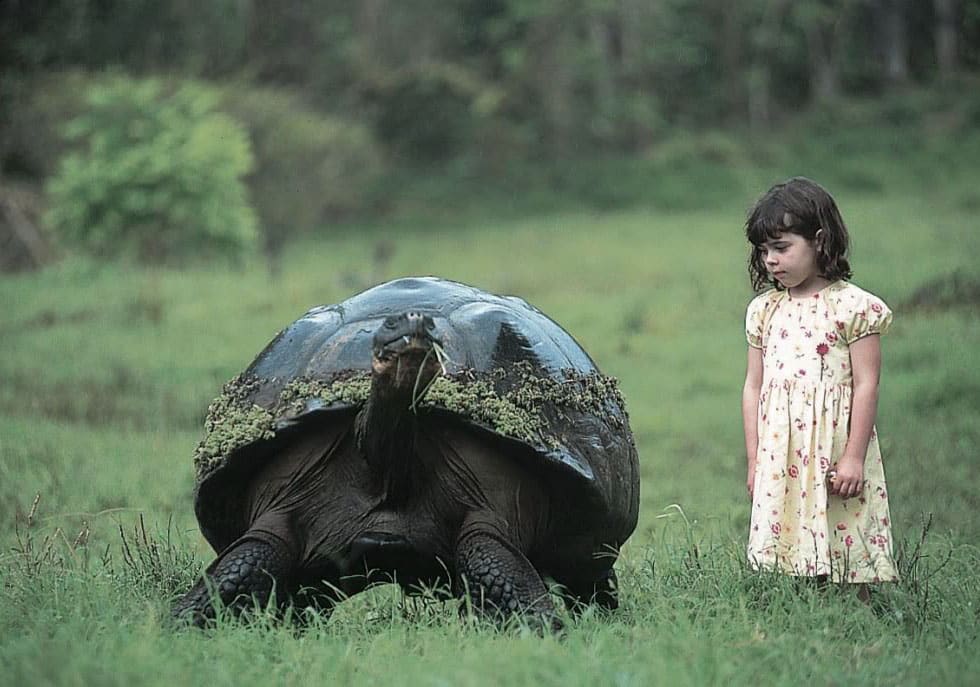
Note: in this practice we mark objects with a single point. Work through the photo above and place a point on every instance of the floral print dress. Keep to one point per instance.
(797, 526)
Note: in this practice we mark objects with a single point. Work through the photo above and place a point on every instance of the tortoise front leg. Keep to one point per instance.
(498, 578)
(245, 573)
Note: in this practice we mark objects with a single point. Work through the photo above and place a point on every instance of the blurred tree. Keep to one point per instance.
(945, 36)
(504, 79)
(200, 38)
(892, 19)
(310, 168)
(158, 176)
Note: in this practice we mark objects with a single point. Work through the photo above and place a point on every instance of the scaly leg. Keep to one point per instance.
(247, 572)
(499, 579)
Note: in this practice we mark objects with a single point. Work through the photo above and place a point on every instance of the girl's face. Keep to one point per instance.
(792, 260)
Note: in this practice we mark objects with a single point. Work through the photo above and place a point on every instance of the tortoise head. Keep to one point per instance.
(403, 355)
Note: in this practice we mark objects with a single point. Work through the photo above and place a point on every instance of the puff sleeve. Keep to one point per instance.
(869, 315)
(754, 320)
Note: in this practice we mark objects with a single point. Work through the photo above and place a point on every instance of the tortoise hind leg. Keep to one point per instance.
(499, 579)
(247, 572)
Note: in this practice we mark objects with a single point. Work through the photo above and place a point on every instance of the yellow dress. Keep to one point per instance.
(797, 527)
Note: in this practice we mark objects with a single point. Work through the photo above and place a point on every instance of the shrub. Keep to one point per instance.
(310, 167)
(433, 111)
(157, 175)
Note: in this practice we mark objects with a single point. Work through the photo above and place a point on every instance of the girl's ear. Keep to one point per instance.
(818, 238)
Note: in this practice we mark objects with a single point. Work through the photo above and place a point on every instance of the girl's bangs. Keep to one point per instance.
(764, 226)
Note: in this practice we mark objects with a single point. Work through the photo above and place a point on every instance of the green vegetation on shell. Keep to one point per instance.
(511, 403)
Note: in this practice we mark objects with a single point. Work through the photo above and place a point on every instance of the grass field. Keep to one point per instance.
(106, 373)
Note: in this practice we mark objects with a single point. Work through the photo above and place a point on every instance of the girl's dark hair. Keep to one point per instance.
(800, 206)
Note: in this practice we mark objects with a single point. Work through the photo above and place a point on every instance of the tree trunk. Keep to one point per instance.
(731, 58)
(759, 97)
(945, 35)
(634, 29)
(894, 38)
(22, 245)
(605, 77)
(554, 81)
(824, 78)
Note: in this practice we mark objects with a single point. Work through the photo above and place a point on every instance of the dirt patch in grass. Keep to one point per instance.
(947, 292)
(120, 398)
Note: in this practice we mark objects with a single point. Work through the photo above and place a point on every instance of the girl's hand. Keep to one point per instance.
(849, 480)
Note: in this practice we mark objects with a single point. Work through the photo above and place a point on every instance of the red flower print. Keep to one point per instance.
(840, 325)
(831, 337)
(824, 464)
(822, 350)
(876, 307)
(848, 541)
(794, 471)
(775, 528)
(841, 526)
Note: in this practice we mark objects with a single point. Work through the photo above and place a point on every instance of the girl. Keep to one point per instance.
(819, 503)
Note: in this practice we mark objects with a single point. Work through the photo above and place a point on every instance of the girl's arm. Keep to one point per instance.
(750, 411)
(866, 370)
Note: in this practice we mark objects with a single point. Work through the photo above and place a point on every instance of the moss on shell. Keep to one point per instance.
(232, 421)
(515, 402)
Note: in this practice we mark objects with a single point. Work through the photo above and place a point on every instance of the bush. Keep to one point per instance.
(310, 168)
(431, 112)
(157, 175)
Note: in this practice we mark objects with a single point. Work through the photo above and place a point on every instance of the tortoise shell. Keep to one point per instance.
(509, 370)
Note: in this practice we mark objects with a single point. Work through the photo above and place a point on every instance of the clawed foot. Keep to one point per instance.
(501, 583)
(244, 577)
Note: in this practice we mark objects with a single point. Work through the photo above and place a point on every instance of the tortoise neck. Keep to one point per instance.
(386, 428)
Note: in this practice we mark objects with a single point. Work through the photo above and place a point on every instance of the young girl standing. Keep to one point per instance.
(819, 502)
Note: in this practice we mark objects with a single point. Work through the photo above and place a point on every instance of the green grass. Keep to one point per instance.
(106, 374)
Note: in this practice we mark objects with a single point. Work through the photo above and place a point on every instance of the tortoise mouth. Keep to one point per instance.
(406, 366)
(405, 345)
(404, 334)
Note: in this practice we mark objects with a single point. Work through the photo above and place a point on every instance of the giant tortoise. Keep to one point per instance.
(422, 432)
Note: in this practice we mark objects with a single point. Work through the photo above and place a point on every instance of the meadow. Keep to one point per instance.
(106, 373)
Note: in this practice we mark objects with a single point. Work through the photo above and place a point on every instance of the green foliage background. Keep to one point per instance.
(157, 176)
